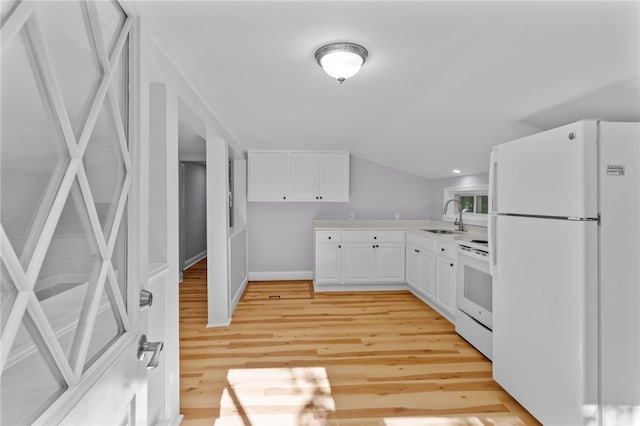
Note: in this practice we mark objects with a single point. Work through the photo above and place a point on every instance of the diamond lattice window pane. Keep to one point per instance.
(104, 165)
(34, 156)
(30, 380)
(119, 260)
(112, 19)
(7, 296)
(75, 63)
(107, 328)
(70, 269)
(121, 85)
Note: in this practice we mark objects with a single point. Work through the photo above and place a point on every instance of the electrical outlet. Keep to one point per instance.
(351, 215)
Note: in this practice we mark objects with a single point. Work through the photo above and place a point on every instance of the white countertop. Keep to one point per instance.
(411, 226)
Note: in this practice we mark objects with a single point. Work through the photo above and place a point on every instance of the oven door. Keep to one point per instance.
(475, 287)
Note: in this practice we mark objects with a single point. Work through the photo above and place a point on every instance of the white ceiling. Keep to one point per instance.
(443, 83)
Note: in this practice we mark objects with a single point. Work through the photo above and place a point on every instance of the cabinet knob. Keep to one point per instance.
(442, 249)
(451, 264)
(284, 198)
(377, 246)
(321, 197)
(329, 237)
(317, 198)
(416, 250)
(375, 238)
(339, 246)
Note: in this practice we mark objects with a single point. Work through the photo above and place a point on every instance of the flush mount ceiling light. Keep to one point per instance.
(341, 60)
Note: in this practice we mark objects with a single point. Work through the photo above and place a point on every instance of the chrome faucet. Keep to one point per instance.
(458, 221)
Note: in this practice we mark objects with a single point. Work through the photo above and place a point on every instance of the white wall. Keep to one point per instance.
(436, 188)
(281, 235)
(195, 212)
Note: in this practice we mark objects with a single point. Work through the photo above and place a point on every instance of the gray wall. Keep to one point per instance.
(195, 210)
(436, 188)
(281, 236)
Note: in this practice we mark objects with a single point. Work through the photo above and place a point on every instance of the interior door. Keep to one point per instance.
(69, 275)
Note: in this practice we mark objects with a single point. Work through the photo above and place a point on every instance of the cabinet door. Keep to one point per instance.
(328, 263)
(333, 176)
(389, 262)
(358, 263)
(444, 283)
(428, 276)
(414, 266)
(268, 176)
(304, 177)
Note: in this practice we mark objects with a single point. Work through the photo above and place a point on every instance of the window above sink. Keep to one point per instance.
(474, 201)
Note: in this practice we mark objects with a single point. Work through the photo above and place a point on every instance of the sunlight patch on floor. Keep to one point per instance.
(452, 421)
(276, 396)
(432, 421)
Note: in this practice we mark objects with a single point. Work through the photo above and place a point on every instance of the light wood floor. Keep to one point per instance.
(370, 358)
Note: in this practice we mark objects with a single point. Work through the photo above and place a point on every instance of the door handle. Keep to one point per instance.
(146, 299)
(154, 347)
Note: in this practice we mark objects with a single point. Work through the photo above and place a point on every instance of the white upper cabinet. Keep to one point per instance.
(304, 176)
(333, 176)
(310, 176)
(268, 176)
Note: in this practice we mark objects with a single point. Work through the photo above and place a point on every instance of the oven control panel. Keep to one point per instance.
(474, 251)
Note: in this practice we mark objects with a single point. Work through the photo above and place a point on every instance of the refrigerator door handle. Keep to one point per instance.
(493, 258)
(493, 171)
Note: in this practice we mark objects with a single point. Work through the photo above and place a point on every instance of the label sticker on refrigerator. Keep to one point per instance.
(615, 170)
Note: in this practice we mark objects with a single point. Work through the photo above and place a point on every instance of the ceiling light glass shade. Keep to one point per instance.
(341, 60)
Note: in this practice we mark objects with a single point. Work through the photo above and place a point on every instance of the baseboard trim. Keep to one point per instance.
(360, 287)
(280, 275)
(222, 324)
(195, 259)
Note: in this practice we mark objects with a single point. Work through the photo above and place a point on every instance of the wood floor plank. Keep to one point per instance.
(332, 359)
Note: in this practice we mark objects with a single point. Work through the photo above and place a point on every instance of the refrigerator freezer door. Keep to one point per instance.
(552, 173)
(545, 317)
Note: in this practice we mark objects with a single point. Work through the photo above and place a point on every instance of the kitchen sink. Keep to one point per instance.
(441, 231)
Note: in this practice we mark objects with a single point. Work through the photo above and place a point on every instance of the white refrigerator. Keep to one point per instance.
(564, 235)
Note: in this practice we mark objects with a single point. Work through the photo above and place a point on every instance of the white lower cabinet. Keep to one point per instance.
(329, 263)
(421, 269)
(382, 257)
(445, 283)
(359, 257)
(358, 266)
(328, 257)
(431, 272)
(389, 262)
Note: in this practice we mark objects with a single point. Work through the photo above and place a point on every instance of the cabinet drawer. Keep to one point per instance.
(328, 237)
(373, 236)
(421, 242)
(446, 250)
